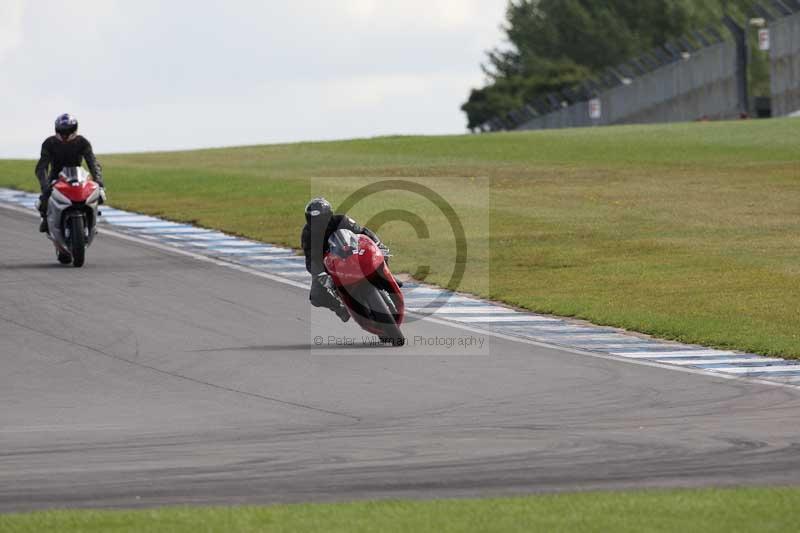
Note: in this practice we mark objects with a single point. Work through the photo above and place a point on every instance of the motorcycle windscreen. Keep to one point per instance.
(342, 243)
(351, 259)
(74, 175)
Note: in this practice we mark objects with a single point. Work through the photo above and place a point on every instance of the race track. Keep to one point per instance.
(150, 378)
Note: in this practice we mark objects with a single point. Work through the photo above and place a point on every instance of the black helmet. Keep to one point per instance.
(318, 212)
(66, 126)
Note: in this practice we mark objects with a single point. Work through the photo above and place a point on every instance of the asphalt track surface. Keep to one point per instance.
(149, 378)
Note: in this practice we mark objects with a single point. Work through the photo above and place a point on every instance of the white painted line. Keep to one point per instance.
(719, 361)
(122, 216)
(131, 221)
(229, 243)
(246, 253)
(565, 328)
(428, 290)
(240, 245)
(118, 222)
(423, 293)
(758, 369)
(422, 299)
(288, 262)
(282, 266)
(111, 212)
(576, 336)
(447, 310)
(271, 258)
(616, 346)
(681, 353)
(454, 300)
(294, 274)
(210, 235)
(149, 227)
(498, 319)
(180, 230)
(178, 239)
(137, 217)
(261, 256)
(150, 230)
(142, 225)
(199, 242)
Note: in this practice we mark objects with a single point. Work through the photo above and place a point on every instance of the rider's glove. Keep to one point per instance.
(325, 280)
(102, 195)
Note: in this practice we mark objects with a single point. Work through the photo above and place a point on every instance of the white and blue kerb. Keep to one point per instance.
(472, 312)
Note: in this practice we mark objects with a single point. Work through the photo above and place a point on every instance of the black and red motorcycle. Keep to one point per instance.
(366, 286)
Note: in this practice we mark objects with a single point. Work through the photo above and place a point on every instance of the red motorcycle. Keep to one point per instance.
(72, 214)
(363, 282)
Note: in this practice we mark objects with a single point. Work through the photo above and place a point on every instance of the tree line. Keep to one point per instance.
(556, 44)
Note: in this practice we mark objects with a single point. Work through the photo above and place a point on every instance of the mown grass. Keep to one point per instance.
(761, 510)
(689, 232)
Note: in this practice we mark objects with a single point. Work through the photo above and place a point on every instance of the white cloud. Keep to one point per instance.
(444, 15)
(10, 25)
(145, 75)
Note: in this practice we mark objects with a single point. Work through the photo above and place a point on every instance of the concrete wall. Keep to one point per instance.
(785, 68)
(703, 85)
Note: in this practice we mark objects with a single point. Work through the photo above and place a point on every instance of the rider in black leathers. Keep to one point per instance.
(321, 223)
(64, 149)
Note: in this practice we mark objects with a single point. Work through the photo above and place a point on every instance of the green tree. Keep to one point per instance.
(555, 44)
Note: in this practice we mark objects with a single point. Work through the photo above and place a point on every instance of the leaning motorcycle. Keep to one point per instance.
(365, 285)
(72, 214)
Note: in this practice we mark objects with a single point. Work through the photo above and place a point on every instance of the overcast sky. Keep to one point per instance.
(157, 75)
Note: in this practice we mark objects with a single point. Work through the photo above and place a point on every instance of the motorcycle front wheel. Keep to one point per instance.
(382, 317)
(77, 241)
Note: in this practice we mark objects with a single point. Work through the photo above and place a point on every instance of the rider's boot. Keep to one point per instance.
(43, 225)
(342, 313)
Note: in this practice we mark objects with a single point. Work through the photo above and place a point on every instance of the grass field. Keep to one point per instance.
(709, 511)
(689, 232)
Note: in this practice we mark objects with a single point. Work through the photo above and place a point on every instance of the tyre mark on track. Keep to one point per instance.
(181, 376)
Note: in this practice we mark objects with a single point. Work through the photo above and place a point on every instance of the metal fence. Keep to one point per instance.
(703, 84)
(785, 64)
(703, 75)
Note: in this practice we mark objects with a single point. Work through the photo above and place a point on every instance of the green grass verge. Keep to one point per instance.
(689, 232)
(725, 511)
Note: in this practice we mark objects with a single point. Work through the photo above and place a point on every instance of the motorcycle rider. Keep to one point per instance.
(321, 223)
(64, 149)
